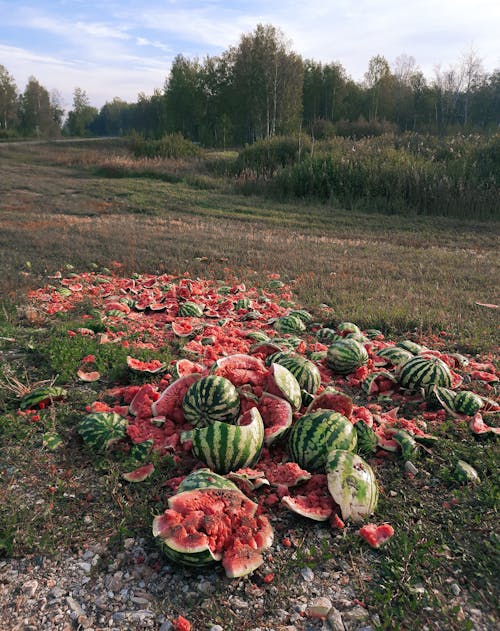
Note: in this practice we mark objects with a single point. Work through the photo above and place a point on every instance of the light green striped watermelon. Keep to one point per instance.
(409, 447)
(304, 315)
(352, 484)
(464, 473)
(367, 439)
(100, 430)
(394, 355)
(190, 309)
(289, 324)
(467, 402)
(306, 373)
(345, 356)
(224, 447)
(243, 303)
(315, 434)
(444, 397)
(423, 373)
(205, 479)
(209, 399)
(327, 336)
(42, 395)
(283, 384)
(412, 347)
(348, 327)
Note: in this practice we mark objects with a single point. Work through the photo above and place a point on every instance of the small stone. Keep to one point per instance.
(334, 620)
(356, 614)
(138, 600)
(307, 574)
(76, 609)
(87, 519)
(86, 567)
(238, 603)
(128, 543)
(29, 588)
(216, 627)
(393, 493)
(455, 589)
(319, 607)
(168, 626)
(410, 468)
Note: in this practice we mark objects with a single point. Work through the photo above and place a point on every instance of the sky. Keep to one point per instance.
(124, 47)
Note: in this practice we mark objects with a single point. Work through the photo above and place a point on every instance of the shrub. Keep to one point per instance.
(266, 157)
(169, 146)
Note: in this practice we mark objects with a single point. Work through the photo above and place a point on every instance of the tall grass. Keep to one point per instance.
(457, 177)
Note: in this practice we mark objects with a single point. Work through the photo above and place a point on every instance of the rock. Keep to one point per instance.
(29, 588)
(410, 467)
(307, 574)
(75, 607)
(334, 620)
(86, 567)
(319, 607)
(455, 589)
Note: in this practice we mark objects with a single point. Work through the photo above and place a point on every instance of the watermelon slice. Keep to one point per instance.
(375, 535)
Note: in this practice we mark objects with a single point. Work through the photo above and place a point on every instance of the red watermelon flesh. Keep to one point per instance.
(332, 400)
(241, 369)
(169, 404)
(140, 405)
(223, 520)
(376, 535)
(277, 415)
(312, 500)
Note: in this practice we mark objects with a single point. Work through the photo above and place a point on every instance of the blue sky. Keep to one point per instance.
(120, 48)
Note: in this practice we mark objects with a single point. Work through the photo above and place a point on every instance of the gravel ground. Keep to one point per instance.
(135, 589)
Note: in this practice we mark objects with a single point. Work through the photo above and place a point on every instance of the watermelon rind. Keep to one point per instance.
(190, 309)
(467, 402)
(367, 443)
(315, 434)
(345, 356)
(344, 328)
(100, 430)
(42, 394)
(410, 346)
(289, 324)
(395, 355)
(299, 506)
(205, 479)
(409, 447)
(275, 428)
(209, 399)
(352, 484)
(225, 447)
(306, 373)
(464, 473)
(283, 383)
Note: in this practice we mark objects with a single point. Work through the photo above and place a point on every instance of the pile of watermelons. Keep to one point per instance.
(264, 399)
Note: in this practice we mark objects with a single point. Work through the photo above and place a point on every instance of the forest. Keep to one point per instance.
(260, 89)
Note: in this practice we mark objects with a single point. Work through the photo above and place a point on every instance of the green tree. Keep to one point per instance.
(378, 79)
(8, 99)
(81, 117)
(35, 112)
(184, 95)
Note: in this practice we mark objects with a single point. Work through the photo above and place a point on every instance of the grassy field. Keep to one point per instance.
(83, 207)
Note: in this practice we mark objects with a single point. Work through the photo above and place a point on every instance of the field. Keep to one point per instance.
(82, 207)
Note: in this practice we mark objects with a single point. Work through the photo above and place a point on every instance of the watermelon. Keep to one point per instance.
(241, 369)
(331, 399)
(374, 334)
(444, 397)
(206, 525)
(204, 479)
(152, 366)
(467, 402)
(304, 315)
(367, 439)
(140, 474)
(190, 309)
(409, 447)
(211, 398)
(345, 356)
(315, 434)
(224, 447)
(100, 430)
(327, 336)
(306, 373)
(243, 303)
(379, 382)
(344, 328)
(283, 384)
(169, 404)
(376, 535)
(42, 396)
(423, 373)
(312, 499)
(411, 347)
(277, 416)
(352, 484)
(464, 473)
(289, 324)
(393, 355)
(183, 329)
(183, 367)
(88, 376)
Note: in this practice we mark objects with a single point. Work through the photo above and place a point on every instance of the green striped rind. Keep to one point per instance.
(464, 473)
(243, 303)
(444, 397)
(258, 336)
(467, 402)
(306, 373)
(212, 398)
(367, 439)
(101, 429)
(352, 484)
(369, 384)
(409, 447)
(304, 315)
(41, 394)
(277, 356)
(289, 324)
(205, 479)
(372, 334)
(395, 355)
(315, 434)
(327, 336)
(424, 373)
(411, 347)
(224, 447)
(345, 356)
(348, 327)
(190, 309)
(286, 385)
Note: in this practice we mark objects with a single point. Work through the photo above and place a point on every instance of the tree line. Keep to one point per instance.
(261, 88)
